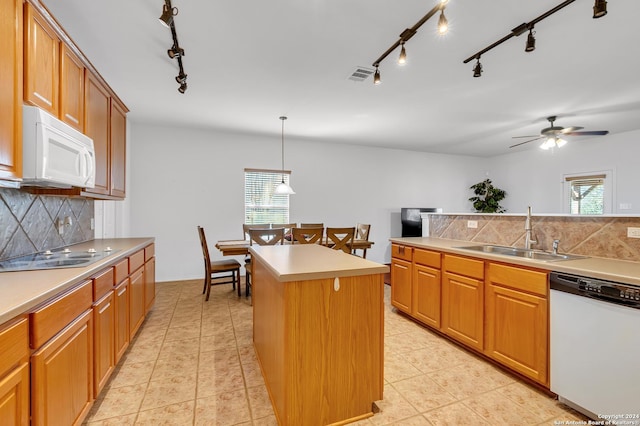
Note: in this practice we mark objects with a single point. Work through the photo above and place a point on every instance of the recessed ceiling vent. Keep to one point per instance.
(361, 74)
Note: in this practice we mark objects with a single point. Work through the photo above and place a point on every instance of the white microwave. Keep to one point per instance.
(55, 154)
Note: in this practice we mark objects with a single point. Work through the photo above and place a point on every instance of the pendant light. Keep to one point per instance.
(283, 188)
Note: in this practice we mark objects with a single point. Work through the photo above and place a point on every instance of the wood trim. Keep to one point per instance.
(286, 172)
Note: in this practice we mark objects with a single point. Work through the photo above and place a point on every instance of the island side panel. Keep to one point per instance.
(335, 357)
(268, 332)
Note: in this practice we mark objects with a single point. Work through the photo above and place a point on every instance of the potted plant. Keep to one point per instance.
(487, 197)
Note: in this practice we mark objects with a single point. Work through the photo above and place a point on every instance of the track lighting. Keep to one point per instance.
(443, 24)
(183, 87)
(175, 52)
(477, 70)
(599, 9)
(167, 15)
(410, 32)
(402, 59)
(531, 42)
(181, 78)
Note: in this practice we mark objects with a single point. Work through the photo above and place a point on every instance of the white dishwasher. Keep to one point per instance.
(595, 347)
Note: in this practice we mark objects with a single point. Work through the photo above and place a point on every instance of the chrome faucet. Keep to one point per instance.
(555, 246)
(528, 241)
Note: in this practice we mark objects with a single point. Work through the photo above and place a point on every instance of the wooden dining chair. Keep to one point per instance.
(340, 238)
(288, 227)
(246, 227)
(312, 225)
(308, 235)
(261, 237)
(218, 269)
(362, 233)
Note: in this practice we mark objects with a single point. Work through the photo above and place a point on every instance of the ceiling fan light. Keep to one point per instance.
(167, 16)
(402, 59)
(548, 143)
(443, 24)
(477, 70)
(560, 142)
(531, 42)
(599, 9)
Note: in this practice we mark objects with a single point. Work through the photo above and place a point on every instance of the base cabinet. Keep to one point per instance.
(401, 284)
(62, 375)
(136, 301)
(104, 315)
(426, 295)
(14, 373)
(516, 324)
(121, 294)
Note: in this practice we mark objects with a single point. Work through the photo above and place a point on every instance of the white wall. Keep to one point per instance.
(181, 178)
(535, 177)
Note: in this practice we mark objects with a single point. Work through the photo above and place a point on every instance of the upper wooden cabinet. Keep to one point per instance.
(71, 88)
(118, 148)
(41, 62)
(11, 89)
(97, 117)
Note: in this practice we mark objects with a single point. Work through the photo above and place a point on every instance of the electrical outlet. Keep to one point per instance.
(633, 232)
(625, 206)
(92, 225)
(472, 224)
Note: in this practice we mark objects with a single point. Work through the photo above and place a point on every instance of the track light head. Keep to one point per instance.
(531, 42)
(167, 15)
(402, 59)
(376, 77)
(181, 78)
(175, 52)
(183, 87)
(443, 24)
(599, 9)
(477, 70)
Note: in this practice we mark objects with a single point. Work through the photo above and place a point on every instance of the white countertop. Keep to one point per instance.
(595, 267)
(298, 262)
(21, 291)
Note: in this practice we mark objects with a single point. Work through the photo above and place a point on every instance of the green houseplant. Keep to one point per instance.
(487, 197)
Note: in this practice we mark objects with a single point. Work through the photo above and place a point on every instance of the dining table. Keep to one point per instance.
(241, 247)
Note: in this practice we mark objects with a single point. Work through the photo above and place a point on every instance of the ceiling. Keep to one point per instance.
(249, 62)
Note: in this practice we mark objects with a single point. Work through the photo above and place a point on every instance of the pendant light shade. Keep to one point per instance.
(283, 188)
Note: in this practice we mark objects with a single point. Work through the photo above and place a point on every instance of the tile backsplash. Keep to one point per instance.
(588, 236)
(29, 223)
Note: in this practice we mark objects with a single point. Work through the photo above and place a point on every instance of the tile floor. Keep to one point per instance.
(193, 362)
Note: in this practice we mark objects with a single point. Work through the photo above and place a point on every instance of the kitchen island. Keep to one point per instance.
(318, 332)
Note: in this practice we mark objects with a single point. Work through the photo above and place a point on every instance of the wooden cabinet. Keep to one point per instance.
(426, 295)
(14, 373)
(104, 329)
(41, 62)
(62, 365)
(516, 324)
(149, 277)
(463, 300)
(401, 291)
(118, 145)
(71, 88)
(136, 292)
(121, 296)
(11, 37)
(61, 375)
(97, 116)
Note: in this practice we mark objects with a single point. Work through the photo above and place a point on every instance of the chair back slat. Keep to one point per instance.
(312, 225)
(266, 237)
(340, 238)
(246, 227)
(308, 235)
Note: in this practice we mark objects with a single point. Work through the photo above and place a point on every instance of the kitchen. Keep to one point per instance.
(177, 171)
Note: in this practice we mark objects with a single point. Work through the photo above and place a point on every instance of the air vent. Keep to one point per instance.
(361, 74)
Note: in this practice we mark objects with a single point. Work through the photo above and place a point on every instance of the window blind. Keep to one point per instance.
(587, 194)
(261, 203)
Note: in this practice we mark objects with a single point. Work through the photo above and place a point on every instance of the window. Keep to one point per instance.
(261, 204)
(588, 194)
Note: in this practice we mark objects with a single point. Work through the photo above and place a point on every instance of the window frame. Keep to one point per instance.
(607, 196)
(270, 178)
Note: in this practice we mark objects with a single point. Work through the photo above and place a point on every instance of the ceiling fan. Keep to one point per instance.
(553, 134)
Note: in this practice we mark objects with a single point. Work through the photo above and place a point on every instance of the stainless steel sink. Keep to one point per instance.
(522, 252)
(64, 258)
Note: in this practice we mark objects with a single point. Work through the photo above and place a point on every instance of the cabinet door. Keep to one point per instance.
(462, 309)
(71, 88)
(136, 301)
(11, 89)
(14, 396)
(104, 353)
(517, 321)
(62, 374)
(401, 284)
(122, 319)
(42, 53)
(149, 283)
(426, 295)
(97, 116)
(118, 148)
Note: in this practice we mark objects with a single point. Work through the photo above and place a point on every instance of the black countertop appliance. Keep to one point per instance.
(412, 221)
